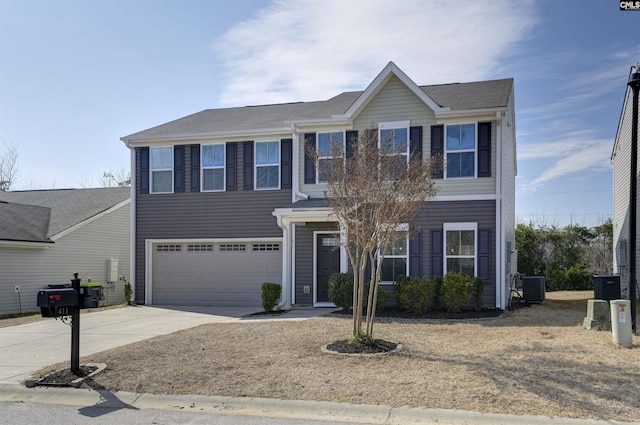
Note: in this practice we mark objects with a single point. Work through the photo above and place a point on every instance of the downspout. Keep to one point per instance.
(500, 245)
(132, 224)
(295, 193)
(286, 265)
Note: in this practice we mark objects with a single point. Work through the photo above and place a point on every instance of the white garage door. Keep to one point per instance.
(214, 274)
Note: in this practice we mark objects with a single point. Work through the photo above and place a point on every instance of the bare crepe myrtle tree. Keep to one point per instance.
(9, 168)
(375, 189)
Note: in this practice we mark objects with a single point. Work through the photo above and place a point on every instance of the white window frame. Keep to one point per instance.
(325, 157)
(256, 165)
(396, 125)
(153, 170)
(402, 228)
(474, 150)
(215, 167)
(455, 227)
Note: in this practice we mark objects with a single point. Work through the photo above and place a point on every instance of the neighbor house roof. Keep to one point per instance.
(24, 223)
(66, 208)
(455, 97)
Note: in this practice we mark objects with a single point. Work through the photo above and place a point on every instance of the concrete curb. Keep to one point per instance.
(290, 409)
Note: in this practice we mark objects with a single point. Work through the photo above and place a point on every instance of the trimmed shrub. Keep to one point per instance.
(478, 292)
(456, 291)
(341, 290)
(128, 293)
(415, 295)
(270, 295)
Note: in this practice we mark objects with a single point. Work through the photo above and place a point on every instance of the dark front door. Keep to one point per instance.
(327, 263)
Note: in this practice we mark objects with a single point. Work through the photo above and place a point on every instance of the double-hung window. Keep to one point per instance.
(213, 167)
(267, 165)
(395, 262)
(393, 141)
(161, 167)
(461, 150)
(460, 243)
(329, 145)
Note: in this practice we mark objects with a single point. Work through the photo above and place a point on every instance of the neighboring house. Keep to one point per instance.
(48, 235)
(621, 160)
(226, 199)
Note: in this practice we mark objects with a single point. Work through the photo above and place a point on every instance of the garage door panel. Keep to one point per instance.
(218, 277)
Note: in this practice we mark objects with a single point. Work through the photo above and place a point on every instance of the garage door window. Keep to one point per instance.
(169, 248)
(266, 247)
(232, 247)
(200, 247)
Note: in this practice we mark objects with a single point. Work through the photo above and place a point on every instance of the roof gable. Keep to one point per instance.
(379, 82)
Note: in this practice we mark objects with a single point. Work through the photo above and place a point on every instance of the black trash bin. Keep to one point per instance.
(90, 294)
(606, 287)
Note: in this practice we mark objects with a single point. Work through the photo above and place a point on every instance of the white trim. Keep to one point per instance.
(470, 112)
(461, 226)
(255, 165)
(164, 140)
(151, 169)
(132, 229)
(461, 151)
(26, 244)
(293, 263)
(501, 274)
(451, 198)
(316, 233)
(215, 167)
(89, 220)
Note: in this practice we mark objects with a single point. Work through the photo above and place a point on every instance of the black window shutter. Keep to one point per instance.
(437, 147)
(436, 253)
(144, 169)
(309, 166)
(195, 168)
(416, 141)
(415, 256)
(178, 168)
(248, 165)
(285, 163)
(230, 166)
(484, 149)
(484, 253)
(351, 143)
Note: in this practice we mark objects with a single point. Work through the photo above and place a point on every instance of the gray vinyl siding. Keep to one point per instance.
(304, 259)
(201, 215)
(621, 160)
(84, 251)
(435, 214)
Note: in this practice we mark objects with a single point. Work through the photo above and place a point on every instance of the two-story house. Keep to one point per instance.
(226, 199)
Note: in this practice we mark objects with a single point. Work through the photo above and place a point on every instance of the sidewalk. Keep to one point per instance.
(308, 410)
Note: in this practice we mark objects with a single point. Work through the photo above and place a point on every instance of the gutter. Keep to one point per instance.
(286, 268)
(296, 194)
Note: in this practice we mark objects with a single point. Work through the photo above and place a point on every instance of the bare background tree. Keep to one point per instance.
(116, 178)
(375, 191)
(9, 168)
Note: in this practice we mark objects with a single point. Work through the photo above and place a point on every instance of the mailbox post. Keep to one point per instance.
(75, 328)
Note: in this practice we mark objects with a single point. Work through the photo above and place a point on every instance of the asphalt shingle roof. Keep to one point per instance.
(459, 96)
(24, 223)
(67, 208)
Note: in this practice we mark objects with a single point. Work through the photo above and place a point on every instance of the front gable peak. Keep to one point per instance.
(379, 82)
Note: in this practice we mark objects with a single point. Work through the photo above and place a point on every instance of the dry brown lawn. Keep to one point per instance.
(536, 360)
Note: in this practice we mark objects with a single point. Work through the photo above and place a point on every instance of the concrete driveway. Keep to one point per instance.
(27, 348)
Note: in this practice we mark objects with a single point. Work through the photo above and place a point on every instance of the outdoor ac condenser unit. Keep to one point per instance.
(533, 289)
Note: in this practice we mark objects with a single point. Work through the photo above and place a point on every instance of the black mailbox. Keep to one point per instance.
(58, 302)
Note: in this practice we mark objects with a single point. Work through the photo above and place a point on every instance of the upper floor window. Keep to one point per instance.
(460, 248)
(161, 165)
(267, 165)
(461, 150)
(213, 167)
(393, 140)
(326, 158)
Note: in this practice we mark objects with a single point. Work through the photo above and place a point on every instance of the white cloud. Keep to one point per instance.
(312, 50)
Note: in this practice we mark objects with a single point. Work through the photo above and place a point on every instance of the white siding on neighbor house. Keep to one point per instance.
(621, 160)
(396, 102)
(85, 251)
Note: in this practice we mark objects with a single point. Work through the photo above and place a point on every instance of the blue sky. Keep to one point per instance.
(76, 75)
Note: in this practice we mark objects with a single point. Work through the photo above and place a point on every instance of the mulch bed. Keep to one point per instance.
(346, 347)
(64, 377)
